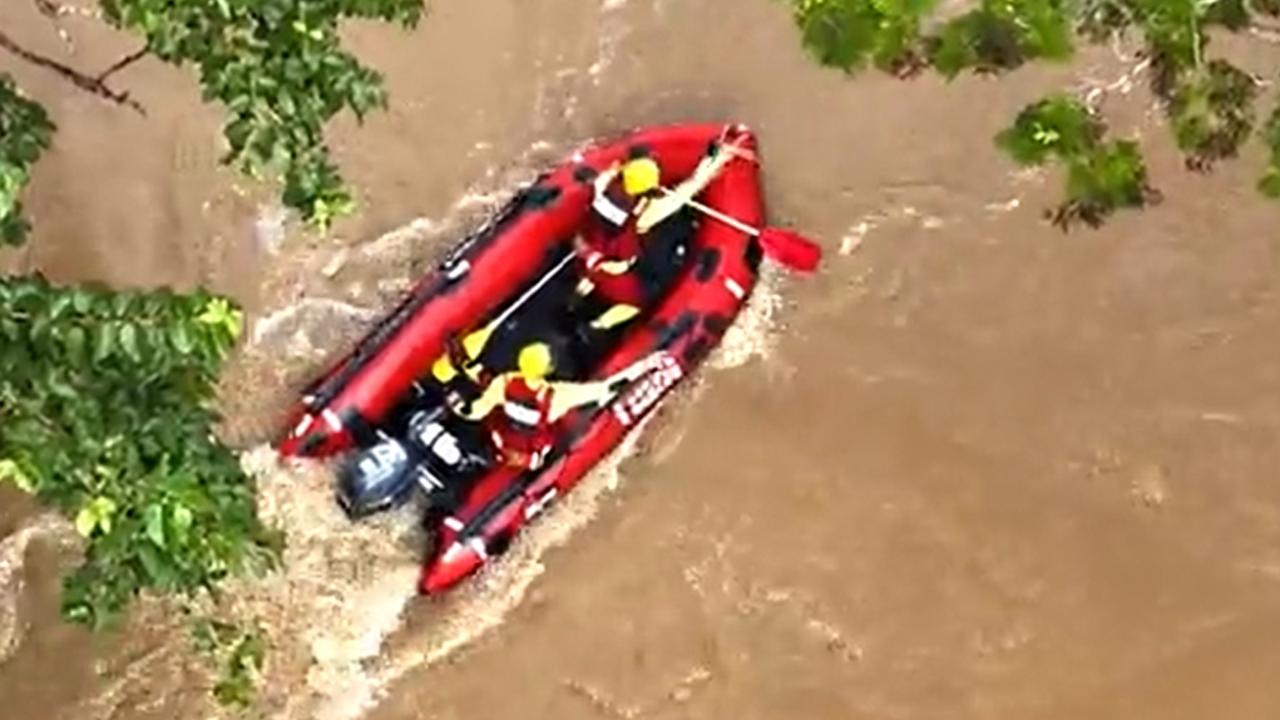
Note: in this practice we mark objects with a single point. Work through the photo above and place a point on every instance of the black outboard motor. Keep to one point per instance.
(430, 456)
(377, 478)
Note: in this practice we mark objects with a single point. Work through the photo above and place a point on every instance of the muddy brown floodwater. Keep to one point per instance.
(975, 468)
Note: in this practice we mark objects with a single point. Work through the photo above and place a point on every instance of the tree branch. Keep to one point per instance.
(121, 64)
(91, 85)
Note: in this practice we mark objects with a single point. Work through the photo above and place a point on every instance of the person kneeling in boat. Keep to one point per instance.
(520, 408)
(609, 247)
(459, 369)
(622, 210)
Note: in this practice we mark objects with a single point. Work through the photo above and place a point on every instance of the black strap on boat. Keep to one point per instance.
(684, 323)
(539, 196)
(706, 264)
(753, 254)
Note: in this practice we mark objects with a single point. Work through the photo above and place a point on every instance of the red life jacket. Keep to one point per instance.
(611, 226)
(609, 235)
(521, 426)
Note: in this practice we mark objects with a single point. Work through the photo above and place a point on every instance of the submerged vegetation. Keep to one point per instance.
(239, 652)
(1210, 103)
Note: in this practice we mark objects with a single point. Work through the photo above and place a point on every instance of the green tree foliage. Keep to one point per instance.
(25, 132)
(849, 35)
(1101, 176)
(279, 69)
(105, 397)
(106, 412)
(1212, 112)
(1209, 102)
(1001, 35)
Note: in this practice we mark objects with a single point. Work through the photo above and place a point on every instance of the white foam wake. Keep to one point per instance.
(13, 553)
(486, 600)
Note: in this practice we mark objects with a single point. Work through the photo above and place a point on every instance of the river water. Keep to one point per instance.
(975, 468)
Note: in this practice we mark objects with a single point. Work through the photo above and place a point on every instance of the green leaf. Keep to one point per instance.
(129, 341)
(153, 518)
(181, 338)
(218, 313)
(850, 34)
(105, 341)
(1056, 127)
(1000, 35)
(58, 387)
(82, 300)
(74, 340)
(87, 520)
(241, 665)
(158, 572)
(11, 472)
(104, 509)
(180, 523)
(59, 306)
(1212, 112)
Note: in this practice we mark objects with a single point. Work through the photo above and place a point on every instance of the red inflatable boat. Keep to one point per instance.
(383, 399)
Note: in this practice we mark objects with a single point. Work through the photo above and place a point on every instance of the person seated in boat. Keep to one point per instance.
(628, 202)
(520, 408)
(459, 370)
(609, 246)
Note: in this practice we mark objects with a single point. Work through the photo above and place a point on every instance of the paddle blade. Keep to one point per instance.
(790, 250)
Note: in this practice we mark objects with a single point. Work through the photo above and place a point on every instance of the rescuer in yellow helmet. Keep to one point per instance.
(519, 408)
(610, 246)
(629, 200)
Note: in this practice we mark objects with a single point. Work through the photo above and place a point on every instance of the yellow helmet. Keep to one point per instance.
(535, 360)
(640, 176)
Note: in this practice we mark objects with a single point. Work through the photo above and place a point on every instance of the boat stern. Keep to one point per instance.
(447, 569)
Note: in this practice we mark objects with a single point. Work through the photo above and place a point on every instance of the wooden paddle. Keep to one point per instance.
(785, 247)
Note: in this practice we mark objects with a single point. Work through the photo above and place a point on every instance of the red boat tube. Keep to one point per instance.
(343, 408)
(356, 394)
(688, 323)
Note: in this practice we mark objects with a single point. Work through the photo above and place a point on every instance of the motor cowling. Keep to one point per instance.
(383, 475)
(377, 478)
